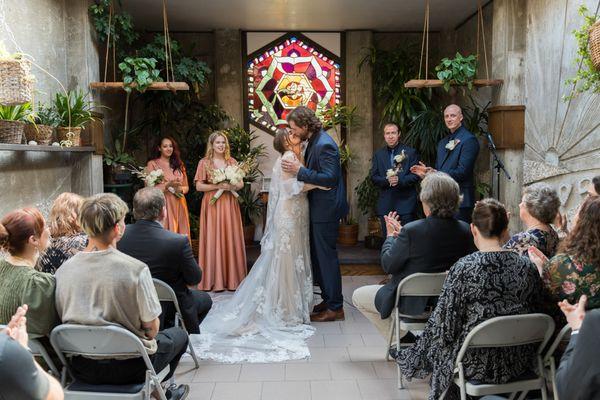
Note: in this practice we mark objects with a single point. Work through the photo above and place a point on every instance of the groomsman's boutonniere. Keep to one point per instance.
(399, 157)
(452, 144)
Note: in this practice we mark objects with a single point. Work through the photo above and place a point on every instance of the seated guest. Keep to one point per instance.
(168, 255)
(579, 369)
(67, 237)
(396, 192)
(489, 283)
(21, 377)
(538, 209)
(428, 245)
(23, 235)
(561, 219)
(102, 286)
(574, 270)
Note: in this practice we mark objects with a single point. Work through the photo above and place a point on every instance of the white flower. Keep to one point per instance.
(400, 157)
(234, 174)
(390, 172)
(154, 177)
(452, 144)
(218, 176)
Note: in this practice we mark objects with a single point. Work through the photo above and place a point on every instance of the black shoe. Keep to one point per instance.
(179, 393)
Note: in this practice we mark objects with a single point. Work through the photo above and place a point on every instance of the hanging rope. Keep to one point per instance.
(168, 56)
(480, 24)
(110, 14)
(425, 43)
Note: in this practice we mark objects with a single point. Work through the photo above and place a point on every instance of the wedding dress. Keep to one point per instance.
(267, 319)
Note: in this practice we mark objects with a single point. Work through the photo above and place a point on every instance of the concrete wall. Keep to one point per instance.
(57, 34)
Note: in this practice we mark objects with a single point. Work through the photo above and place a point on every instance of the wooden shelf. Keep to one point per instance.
(424, 83)
(172, 86)
(39, 147)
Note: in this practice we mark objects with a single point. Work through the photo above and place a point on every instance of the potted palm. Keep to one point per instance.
(74, 110)
(368, 194)
(12, 123)
(42, 124)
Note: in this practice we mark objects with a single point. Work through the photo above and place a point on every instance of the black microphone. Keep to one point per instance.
(490, 140)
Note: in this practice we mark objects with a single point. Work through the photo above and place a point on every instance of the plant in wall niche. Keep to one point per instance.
(459, 71)
(390, 70)
(588, 73)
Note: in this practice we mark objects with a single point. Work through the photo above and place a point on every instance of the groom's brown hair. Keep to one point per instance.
(304, 117)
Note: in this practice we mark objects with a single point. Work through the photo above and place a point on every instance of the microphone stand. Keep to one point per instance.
(498, 164)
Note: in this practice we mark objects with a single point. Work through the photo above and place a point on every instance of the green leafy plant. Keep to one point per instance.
(483, 189)
(15, 113)
(121, 23)
(459, 71)
(367, 195)
(117, 156)
(587, 77)
(391, 70)
(425, 132)
(243, 150)
(250, 205)
(476, 117)
(45, 115)
(139, 73)
(73, 109)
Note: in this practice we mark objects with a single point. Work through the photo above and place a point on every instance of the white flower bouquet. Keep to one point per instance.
(232, 174)
(151, 178)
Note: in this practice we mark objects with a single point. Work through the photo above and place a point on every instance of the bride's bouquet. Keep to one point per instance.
(232, 174)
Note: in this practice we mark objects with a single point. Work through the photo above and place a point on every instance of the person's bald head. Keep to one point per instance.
(453, 117)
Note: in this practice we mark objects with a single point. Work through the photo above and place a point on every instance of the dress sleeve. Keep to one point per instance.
(518, 243)
(201, 173)
(290, 186)
(39, 296)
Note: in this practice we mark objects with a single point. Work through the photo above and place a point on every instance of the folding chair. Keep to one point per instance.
(166, 293)
(107, 342)
(550, 362)
(415, 285)
(37, 350)
(506, 331)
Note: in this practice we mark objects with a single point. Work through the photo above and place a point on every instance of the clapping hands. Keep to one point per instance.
(575, 313)
(421, 169)
(17, 328)
(392, 224)
(538, 258)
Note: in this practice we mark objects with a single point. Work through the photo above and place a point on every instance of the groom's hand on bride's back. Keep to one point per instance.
(291, 166)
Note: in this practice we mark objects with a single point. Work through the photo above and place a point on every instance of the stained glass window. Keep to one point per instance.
(293, 72)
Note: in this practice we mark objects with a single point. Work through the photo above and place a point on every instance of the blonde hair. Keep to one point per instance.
(100, 213)
(211, 140)
(64, 215)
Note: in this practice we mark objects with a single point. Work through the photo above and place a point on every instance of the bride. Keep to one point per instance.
(267, 319)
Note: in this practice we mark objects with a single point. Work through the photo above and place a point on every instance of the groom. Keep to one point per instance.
(326, 208)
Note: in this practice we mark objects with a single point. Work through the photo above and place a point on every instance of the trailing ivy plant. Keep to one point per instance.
(459, 71)
(587, 77)
(121, 24)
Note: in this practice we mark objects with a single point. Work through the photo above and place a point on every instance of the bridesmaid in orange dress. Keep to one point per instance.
(165, 156)
(222, 251)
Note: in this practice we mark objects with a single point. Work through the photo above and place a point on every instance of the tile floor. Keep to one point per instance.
(347, 362)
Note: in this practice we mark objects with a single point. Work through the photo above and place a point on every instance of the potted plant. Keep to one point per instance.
(42, 124)
(367, 195)
(458, 71)
(588, 56)
(118, 161)
(16, 81)
(12, 123)
(348, 231)
(251, 209)
(74, 110)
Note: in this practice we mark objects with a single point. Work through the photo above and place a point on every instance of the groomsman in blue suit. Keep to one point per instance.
(456, 156)
(326, 208)
(390, 172)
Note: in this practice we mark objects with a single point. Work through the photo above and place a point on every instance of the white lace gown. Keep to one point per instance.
(268, 318)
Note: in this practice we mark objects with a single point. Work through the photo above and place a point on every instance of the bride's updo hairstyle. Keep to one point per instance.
(281, 141)
(490, 218)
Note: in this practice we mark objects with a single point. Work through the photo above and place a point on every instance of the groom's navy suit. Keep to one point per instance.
(459, 164)
(327, 207)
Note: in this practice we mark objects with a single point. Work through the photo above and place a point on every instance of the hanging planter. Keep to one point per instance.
(594, 45)
(16, 81)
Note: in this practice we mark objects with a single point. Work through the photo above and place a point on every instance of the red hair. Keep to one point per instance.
(18, 226)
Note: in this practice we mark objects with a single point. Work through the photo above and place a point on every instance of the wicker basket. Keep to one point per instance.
(62, 133)
(11, 131)
(594, 45)
(42, 134)
(16, 83)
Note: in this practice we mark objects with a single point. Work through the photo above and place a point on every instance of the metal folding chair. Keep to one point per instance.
(550, 362)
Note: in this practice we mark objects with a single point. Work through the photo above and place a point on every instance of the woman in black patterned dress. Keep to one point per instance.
(67, 236)
(486, 284)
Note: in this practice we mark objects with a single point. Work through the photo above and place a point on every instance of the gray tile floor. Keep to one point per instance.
(347, 362)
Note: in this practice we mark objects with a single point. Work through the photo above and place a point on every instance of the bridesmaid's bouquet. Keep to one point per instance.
(151, 178)
(232, 174)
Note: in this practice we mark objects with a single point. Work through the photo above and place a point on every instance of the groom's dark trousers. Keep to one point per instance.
(326, 208)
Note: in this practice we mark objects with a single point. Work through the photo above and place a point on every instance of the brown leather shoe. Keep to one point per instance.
(319, 308)
(328, 315)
